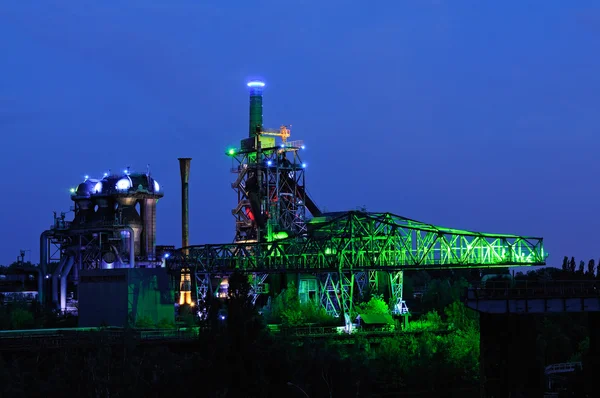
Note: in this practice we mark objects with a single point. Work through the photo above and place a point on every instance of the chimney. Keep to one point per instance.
(184, 168)
(256, 107)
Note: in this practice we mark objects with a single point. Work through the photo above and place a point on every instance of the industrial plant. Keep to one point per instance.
(108, 249)
(279, 236)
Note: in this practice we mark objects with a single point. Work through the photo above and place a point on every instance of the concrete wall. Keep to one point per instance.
(122, 297)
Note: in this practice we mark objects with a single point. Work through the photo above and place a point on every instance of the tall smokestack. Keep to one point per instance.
(256, 107)
(184, 168)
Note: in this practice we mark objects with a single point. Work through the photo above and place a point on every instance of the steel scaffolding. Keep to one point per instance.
(347, 249)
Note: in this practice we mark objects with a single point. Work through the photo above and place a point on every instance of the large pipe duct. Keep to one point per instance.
(66, 263)
(148, 207)
(56, 278)
(63, 283)
(256, 107)
(253, 188)
(43, 264)
(184, 168)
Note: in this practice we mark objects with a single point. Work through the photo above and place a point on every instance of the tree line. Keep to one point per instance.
(590, 269)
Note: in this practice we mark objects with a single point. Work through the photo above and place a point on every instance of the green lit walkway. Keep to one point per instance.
(359, 241)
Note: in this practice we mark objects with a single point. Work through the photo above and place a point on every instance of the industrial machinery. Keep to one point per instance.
(334, 256)
(114, 227)
(109, 250)
(269, 180)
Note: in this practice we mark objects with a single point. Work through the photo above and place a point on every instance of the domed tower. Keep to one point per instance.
(84, 206)
(126, 211)
(116, 201)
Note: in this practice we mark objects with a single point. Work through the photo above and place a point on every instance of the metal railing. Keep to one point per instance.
(562, 367)
(529, 289)
(63, 338)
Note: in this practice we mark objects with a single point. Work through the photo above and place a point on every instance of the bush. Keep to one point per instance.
(376, 305)
(286, 309)
(20, 318)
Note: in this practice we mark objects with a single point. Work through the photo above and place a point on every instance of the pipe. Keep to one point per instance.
(184, 168)
(59, 273)
(55, 278)
(119, 228)
(116, 252)
(63, 283)
(131, 246)
(43, 262)
(148, 207)
(38, 271)
(256, 108)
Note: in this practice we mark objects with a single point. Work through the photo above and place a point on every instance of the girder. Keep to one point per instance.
(360, 241)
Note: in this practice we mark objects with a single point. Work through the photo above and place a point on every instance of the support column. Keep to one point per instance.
(337, 293)
(362, 282)
(493, 363)
(203, 286)
(374, 281)
(258, 286)
(508, 356)
(591, 361)
(396, 283)
(526, 372)
(346, 287)
(328, 294)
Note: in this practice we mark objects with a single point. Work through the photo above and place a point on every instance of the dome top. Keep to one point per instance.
(126, 183)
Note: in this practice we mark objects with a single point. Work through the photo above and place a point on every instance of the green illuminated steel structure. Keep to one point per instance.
(341, 251)
(269, 180)
(348, 248)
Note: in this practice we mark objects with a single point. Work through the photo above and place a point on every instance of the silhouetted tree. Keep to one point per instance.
(581, 267)
(565, 264)
(591, 267)
(242, 319)
(572, 265)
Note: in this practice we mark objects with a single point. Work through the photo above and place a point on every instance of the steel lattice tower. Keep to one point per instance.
(269, 181)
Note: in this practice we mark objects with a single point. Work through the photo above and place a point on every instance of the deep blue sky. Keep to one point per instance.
(469, 114)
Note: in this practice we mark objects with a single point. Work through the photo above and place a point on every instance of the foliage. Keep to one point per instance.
(442, 292)
(429, 322)
(165, 324)
(589, 271)
(376, 305)
(244, 325)
(582, 350)
(21, 318)
(187, 315)
(407, 358)
(144, 322)
(259, 364)
(286, 309)
(19, 315)
(460, 317)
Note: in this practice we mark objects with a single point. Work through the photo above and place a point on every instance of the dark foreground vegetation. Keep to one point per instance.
(240, 357)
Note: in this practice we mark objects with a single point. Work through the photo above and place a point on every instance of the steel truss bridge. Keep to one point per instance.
(348, 249)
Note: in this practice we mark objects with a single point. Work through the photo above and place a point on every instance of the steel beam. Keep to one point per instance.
(358, 241)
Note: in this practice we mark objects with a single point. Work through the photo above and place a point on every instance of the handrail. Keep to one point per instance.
(64, 338)
(562, 367)
(528, 289)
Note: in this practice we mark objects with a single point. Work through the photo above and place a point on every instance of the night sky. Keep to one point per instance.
(478, 115)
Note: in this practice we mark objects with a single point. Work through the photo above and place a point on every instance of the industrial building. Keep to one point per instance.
(108, 251)
(279, 234)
